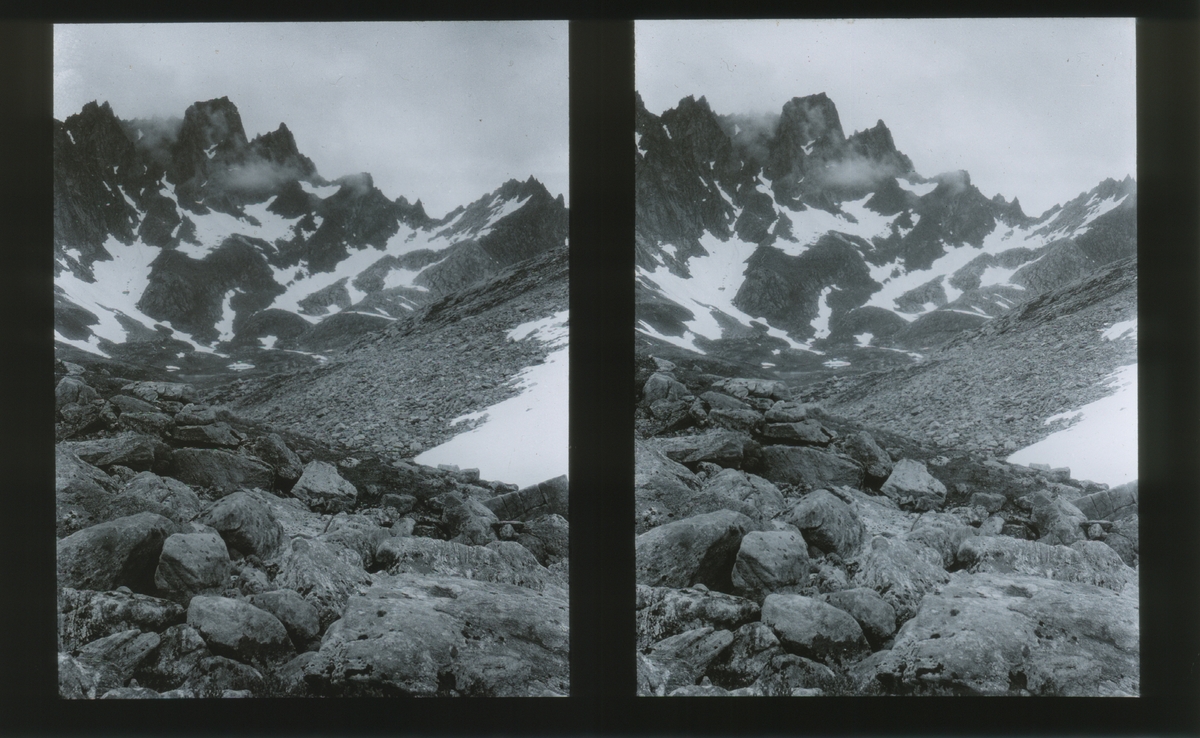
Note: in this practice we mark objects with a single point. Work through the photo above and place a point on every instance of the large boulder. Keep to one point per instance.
(148, 492)
(733, 485)
(134, 450)
(1113, 504)
(126, 404)
(502, 561)
(747, 420)
(666, 491)
(192, 563)
(684, 658)
(548, 538)
(213, 435)
(664, 611)
(113, 659)
(193, 414)
(722, 401)
(749, 654)
(549, 497)
(874, 615)
(220, 469)
(323, 489)
(85, 615)
(155, 391)
(411, 635)
(827, 523)
(238, 630)
(876, 462)
(75, 681)
(1006, 634)
(1123, 538)
(466, 519)
(805, 432)
(357, 533)
(121, 552)
(942, 532)
(218, 676)
(298, 616)
(81, 491)
(72, 390)
(325, 578)
(770, 561)
(741, 388)
(813, 629)
(789, 675)
(912, 486)
(662, 386)
(246, 524)
(1090, 562)
(786, 411)
(720, 446)
(902, 573)
(180, 651)
(272, 449)
(701, 548)
(810, 467)
(1057, 520)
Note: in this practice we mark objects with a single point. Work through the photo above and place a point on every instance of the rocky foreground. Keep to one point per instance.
(204, 555)
(784, 551)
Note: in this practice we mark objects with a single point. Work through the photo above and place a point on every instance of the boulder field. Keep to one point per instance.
(203, 555)
(782, 551)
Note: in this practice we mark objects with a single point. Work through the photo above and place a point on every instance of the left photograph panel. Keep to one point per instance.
(311, 328)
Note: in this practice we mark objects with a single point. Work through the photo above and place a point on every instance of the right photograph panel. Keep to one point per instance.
(886, 358)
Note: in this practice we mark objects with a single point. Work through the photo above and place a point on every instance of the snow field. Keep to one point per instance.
(524, 439)
(1102, 445)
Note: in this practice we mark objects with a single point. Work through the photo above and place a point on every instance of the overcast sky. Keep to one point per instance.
(441, 111)
(1040, 109)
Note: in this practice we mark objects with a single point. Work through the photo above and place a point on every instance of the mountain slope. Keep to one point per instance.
(184, 242)
(396, 391)
(992, 388)
(820, 247)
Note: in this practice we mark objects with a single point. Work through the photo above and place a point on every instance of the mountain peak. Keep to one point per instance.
(212, 123)
(811, 118)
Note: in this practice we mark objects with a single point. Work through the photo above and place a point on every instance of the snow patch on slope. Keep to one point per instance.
(523, 439)
(714, 283)
(1102, 445)
(1123, 329)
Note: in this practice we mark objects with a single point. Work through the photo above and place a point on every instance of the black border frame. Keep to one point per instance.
(602, 666)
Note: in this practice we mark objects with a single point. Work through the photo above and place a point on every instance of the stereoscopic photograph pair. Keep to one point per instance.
(314, 405)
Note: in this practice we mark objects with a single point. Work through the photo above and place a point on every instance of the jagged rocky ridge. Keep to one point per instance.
(182, 242)
(784, 550)
(785, 243)
(201, 554)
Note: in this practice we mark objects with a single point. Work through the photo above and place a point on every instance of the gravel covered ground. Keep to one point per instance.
(395, 392)
(989, 392)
